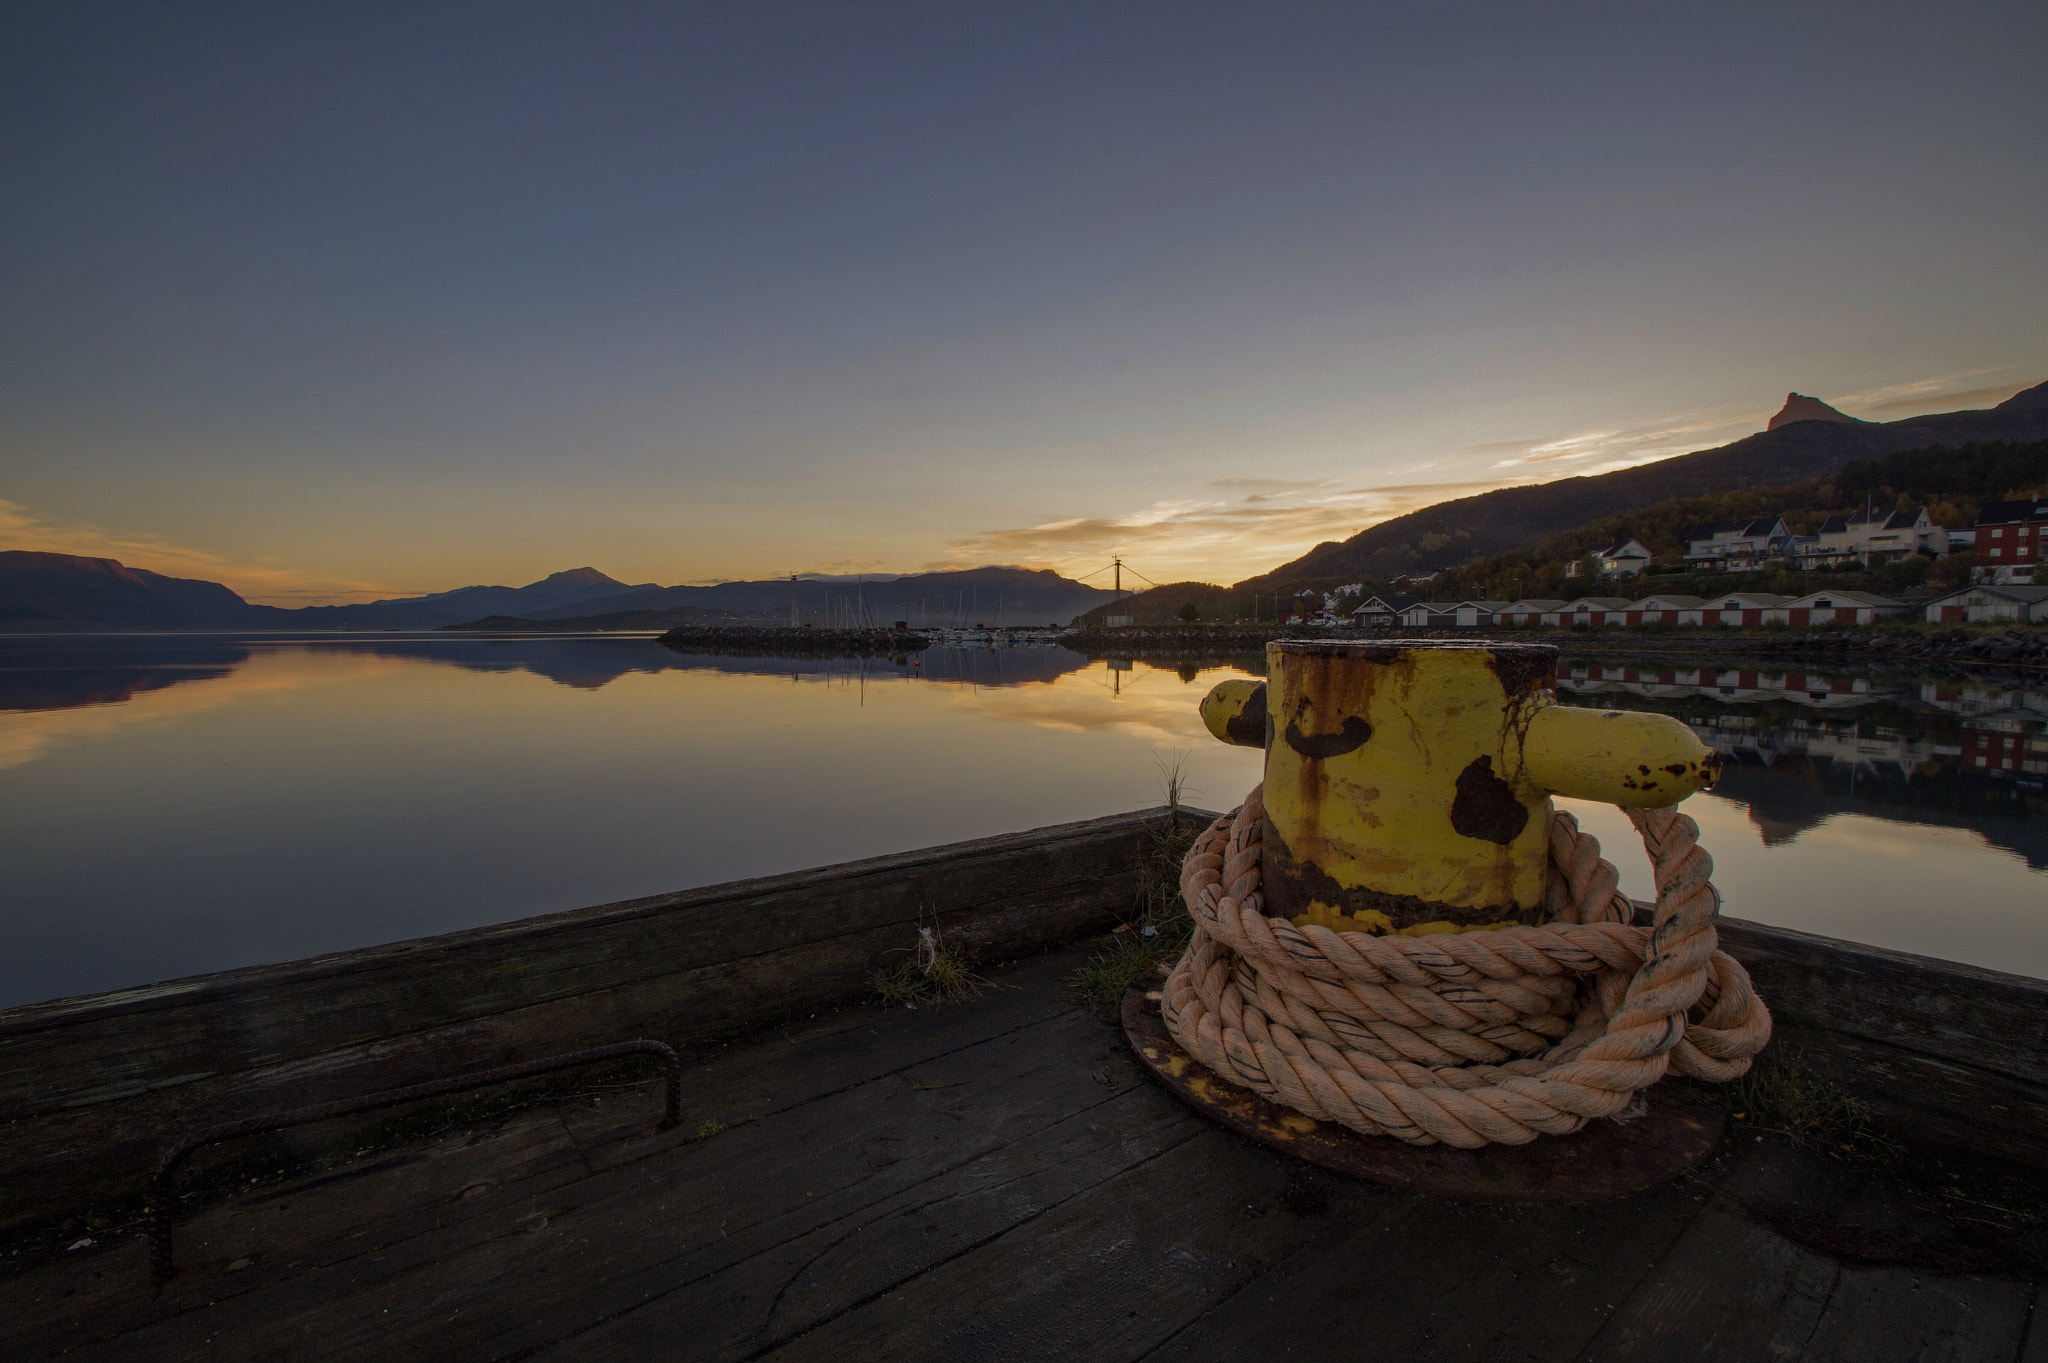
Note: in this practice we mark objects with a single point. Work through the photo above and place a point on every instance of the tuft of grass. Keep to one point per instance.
(1157, 931)
(1782, 1093)
(1173, 780)
(936, 974)
(710, 1129)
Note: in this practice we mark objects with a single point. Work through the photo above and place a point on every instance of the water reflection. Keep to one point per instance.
(51, 673)
(1800, 748)
(284, 796)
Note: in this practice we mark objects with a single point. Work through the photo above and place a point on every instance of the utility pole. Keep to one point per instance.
(792, 600)
(1117, 559)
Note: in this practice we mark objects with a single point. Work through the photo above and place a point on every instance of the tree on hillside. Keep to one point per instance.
(1190, 612)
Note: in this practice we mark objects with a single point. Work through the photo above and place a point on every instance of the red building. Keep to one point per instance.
(2010, 533)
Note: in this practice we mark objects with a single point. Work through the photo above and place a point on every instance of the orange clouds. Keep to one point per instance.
(266, 583)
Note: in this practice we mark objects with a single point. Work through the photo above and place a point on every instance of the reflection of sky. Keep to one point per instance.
(319, 797)
(1936, 891)
(322, 798)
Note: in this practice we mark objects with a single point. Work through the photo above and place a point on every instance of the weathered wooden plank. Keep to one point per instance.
(1421, 1277)
(715, 1203)
(90, 1088)
(2035, 1350)
(1109, 1275)
(770, 1075)
(1925, 1099)
(1727, 1289)
(747, 1304)
(288, 1229)
(1985, 1020)
(1877, 1315)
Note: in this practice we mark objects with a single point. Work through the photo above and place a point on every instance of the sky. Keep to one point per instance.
(338, 301)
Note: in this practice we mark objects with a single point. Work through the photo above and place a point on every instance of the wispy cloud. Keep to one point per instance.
(1938, 394)
(1626, 446)
(1219, 539)
(267, 582)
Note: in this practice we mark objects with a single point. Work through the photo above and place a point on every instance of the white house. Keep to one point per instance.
(1737, 546)
(2018, 603)
(1736, 608)
(1664, 608)
(1478, 613)
(1588, 610)
(1422, 615)
(1622, 558)
(1880, 537)
(1841, 608)
(1528, 611)
(1383, 610)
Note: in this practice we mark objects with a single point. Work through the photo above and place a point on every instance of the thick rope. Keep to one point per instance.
(1465, 1038)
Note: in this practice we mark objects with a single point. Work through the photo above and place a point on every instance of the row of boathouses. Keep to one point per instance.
(2020, 603)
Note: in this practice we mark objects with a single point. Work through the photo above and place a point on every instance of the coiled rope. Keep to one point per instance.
(1466, 1038)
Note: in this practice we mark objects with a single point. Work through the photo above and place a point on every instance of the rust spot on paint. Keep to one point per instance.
(1248, 726)
(1291, 886)
(1486, 807)
(1319, 747)
(1523, 668)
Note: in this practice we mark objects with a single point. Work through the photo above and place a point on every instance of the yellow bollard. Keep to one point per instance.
(1408, 783)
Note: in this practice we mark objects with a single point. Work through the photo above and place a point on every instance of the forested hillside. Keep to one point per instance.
(1949, 482)
(1455, 532)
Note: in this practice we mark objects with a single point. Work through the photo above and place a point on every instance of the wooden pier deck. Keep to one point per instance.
(1000, 1180)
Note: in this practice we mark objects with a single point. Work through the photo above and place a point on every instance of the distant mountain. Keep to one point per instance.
(1008, 596)
(66, 591)
(1452, 533)
(2033, 399)
(576, 587)
(1799, 407)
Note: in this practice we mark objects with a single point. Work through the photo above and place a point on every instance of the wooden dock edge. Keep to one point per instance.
(1941, 1053)
(93, 1088)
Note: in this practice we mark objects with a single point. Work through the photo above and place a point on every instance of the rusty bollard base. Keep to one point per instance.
(1606, 1158)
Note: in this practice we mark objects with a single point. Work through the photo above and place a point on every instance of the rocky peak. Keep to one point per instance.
(1799, 407)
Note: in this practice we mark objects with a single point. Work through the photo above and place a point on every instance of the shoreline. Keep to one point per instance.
(2021, 648)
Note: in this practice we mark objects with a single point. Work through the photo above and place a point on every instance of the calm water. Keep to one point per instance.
(176, 805)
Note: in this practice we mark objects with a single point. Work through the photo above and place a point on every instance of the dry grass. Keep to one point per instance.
(936, 974)
(1782, 1093)
(1156, 933)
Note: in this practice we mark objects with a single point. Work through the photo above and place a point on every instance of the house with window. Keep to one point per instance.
(1381, 612)
(2018, 602)
(1622, 558)
(2009, 536)
(1737, 546)
(1471, 614)
(1301, 607)
(1528, 611)
(1589, 610)
(1662, 609)
(1736, 608)
(1836, 608)
(1868, 540)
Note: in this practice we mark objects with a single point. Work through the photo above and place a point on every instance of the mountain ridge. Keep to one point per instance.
(1453, 532)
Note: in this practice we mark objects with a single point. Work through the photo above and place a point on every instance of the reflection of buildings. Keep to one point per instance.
(1733, 685)
(1798, 748)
